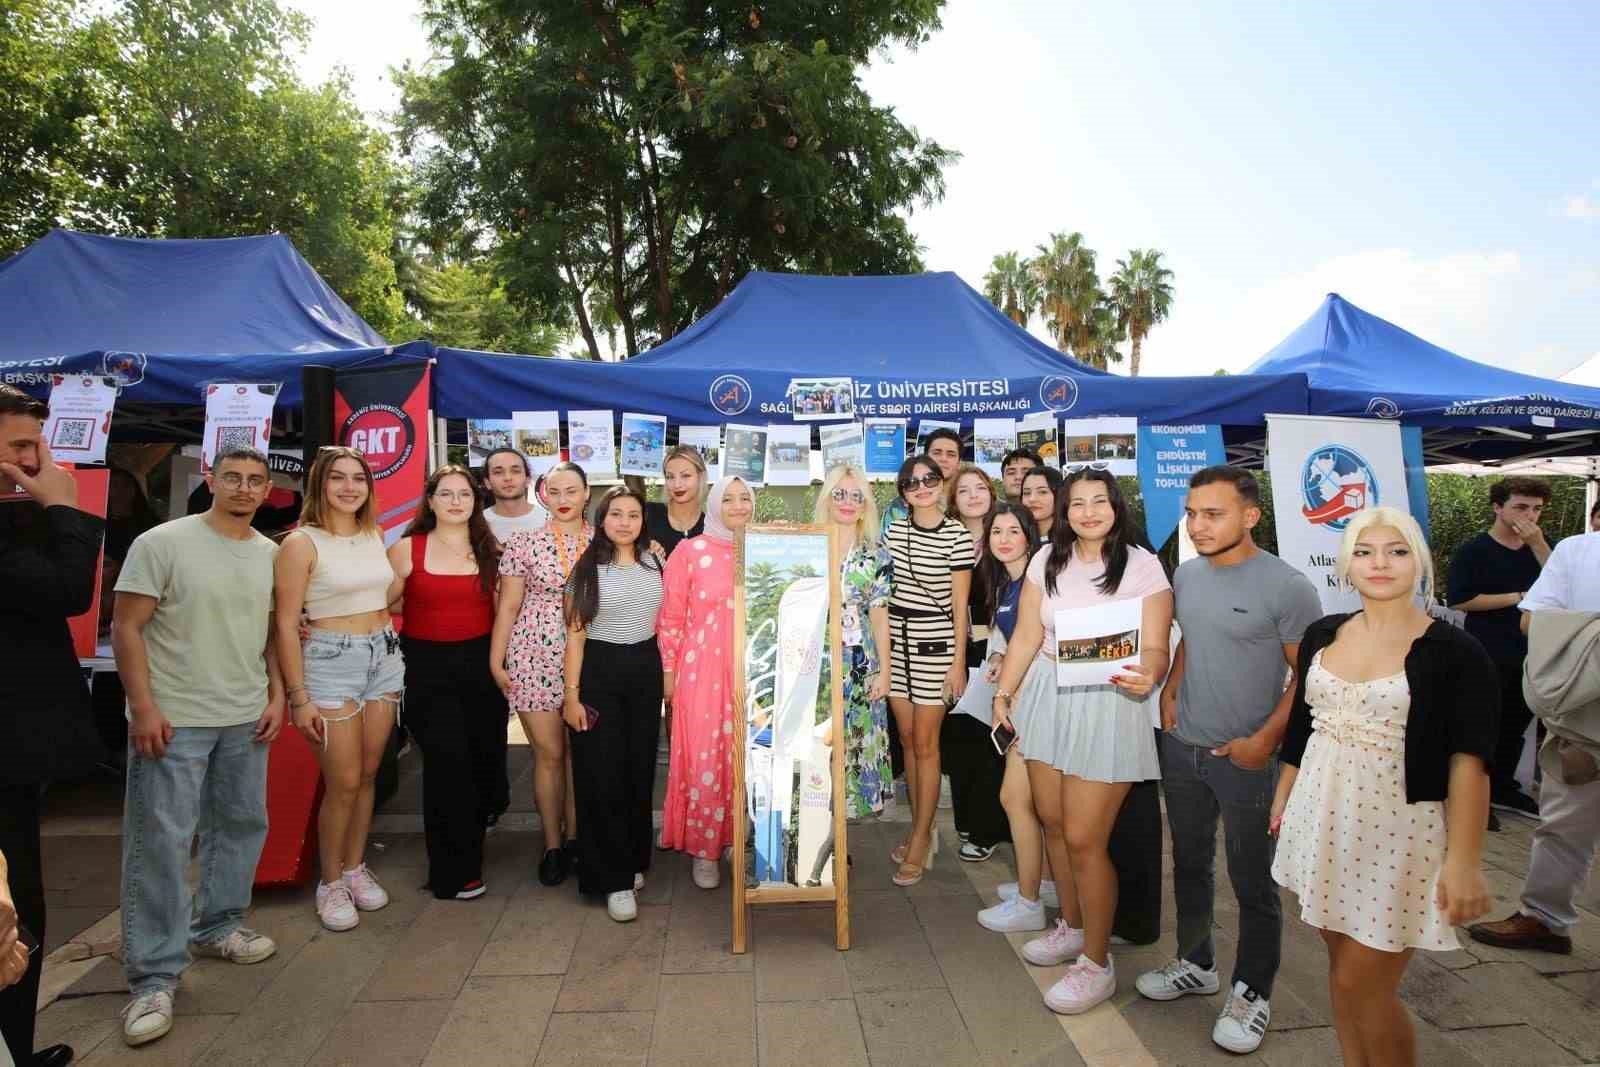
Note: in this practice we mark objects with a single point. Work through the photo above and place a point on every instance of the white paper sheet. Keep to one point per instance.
(644, 444)
(80, 417)
(707, 440)
(1093, 644)
(592, 444)
(788, 455)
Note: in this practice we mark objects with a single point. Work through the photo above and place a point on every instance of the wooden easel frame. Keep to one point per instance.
(839, 891)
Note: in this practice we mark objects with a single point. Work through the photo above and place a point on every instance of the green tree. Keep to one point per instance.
(659, 151)
(1010, 286)
(1073, 304)
(462, 305)
(1141, 293)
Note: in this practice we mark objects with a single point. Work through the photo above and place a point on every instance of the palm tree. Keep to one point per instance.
(1009, 285)
(1096, 343)
(1068, 289)
(1141, 292)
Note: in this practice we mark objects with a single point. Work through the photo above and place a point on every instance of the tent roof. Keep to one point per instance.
(70, 293)
(922, 346)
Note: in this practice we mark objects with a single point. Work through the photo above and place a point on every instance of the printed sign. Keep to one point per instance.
(991, 440)
(644, 444)
(1168, 456)
(843, 445)
(813, 399)
(384, 413)
(885, 446)
(237, 415)
(591, 444)
(1094, 644)
(706, 440)
(79, 423)
(744, 453)
(788, 455)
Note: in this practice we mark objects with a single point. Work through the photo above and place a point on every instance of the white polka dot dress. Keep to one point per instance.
(1363, 862)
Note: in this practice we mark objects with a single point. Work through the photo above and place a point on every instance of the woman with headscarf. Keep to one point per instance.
(695, 629)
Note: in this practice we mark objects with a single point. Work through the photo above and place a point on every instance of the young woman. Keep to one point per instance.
(695, 630)
(613, 699)
(846, 504)
(931, 559)
(1383, 794)
(679, 516)
(345, 684)
(1041, 492)
(449, 561)
(966, 754)
(1085, 746)
(525, 654)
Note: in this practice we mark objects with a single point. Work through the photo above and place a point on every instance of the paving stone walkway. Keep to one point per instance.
(528, 975)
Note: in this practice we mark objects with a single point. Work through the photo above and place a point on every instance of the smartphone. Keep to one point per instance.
(591, 716)
(25, 935)
(1003, 737)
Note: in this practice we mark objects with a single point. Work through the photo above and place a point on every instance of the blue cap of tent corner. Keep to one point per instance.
(170, 316)
(1360, 365)
(917, 346)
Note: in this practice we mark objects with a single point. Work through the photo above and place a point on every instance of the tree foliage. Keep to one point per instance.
(1141, 294)
(651, 153)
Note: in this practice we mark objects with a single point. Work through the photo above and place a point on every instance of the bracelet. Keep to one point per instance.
(572, 688)
(1001, 694)
(294, 689)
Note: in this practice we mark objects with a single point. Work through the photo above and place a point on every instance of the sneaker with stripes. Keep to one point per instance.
(1244, 1020)
(1176, 979)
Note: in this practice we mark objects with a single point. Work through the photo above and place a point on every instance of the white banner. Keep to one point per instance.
(80, 417)
(991, 440)
(1323, 471)
(236, 415)
(707, 440)
(591, 445)
(538, 437)
(788, 454)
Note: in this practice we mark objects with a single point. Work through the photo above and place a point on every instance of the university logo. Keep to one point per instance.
(1381, 407)
(126, 367)
(384, 434)
(1335, 483)
(1058, 393)
(730, 394)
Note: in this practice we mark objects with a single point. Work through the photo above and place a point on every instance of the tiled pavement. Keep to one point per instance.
(528, 975)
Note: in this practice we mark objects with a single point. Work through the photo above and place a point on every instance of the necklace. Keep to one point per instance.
(581, 539)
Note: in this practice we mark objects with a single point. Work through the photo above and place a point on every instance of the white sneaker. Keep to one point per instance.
(336, 907)
(368, 894)
(1244, 1020)
(1084, 985)
(1055, 948)
(622, 906)
(707, 875)
(1047, 892)
(241, 946)
(1016, 914)
(1176, 979)
(638, 881)
(147, 1017)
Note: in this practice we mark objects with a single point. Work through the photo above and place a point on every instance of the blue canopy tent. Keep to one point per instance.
(917, 346)
(1358, 364)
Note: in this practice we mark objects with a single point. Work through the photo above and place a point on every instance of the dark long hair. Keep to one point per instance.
(584, 585)
(1052, 478)
(1124, 533)
(992, 574)
(485, 549)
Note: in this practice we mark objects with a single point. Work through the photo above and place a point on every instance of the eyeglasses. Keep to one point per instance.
(927, 481)
(454, 495)
(233, 480)
(853, 496)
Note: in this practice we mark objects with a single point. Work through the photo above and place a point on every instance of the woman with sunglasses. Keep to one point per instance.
(846, 505)
(1085, 745)
(1041, 495)
(344, 684)
(449, 560)
(695, 629)
(932, 559)
(612, 706)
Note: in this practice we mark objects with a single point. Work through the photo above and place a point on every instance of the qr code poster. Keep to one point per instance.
(237, 416)
(80, 417)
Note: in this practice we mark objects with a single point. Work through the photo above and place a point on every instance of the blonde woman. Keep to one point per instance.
(681, 513)
(344, 685)
(845, 503)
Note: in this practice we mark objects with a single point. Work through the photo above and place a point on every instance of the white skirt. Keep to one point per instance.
(1090, 732)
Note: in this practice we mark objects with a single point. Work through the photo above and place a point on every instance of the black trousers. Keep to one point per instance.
(19, 840)
(458, 717)
(967, 755)
(614, 762)
(1514, 719)
(1135, 850)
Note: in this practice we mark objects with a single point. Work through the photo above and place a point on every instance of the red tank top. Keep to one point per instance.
(444, 607)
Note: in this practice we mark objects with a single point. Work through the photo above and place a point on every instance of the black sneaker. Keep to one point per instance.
(1514, 800)
(1494, 822)
(553, 868)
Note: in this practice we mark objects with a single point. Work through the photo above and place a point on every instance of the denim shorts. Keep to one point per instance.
(352, 667)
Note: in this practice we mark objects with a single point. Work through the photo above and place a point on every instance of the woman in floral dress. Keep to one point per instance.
(846, 503)
(695, 632)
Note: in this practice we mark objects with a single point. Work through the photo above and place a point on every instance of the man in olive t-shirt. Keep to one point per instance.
(205, 700)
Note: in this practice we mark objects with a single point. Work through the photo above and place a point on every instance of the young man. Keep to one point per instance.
(1569, 829)
(944, 448)
(1223, 712)
(506, 473)
(192, 639)
(1018, 462)
(1489, 576)
(48, 563)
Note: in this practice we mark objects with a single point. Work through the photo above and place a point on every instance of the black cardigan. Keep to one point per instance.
(1455, 704)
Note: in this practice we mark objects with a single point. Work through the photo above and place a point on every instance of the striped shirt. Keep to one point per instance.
(630, 597)
(923, 560)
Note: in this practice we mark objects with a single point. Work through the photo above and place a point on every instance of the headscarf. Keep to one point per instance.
(715, 528)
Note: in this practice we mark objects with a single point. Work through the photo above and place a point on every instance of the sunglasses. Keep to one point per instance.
(927, 481)
(852, 496)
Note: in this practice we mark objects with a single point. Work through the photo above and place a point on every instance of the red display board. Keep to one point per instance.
(294, 793)
(94, 484)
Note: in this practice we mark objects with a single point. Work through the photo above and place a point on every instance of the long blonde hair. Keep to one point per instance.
(689, 453)
(867, 521)
(312, 511)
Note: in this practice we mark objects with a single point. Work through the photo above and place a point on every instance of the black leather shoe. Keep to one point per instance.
(54, 1056)
(553, 868)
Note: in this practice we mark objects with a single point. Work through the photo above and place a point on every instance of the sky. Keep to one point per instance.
(1436, 164)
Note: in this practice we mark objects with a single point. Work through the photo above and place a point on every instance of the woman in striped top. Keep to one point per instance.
(931, 560)
(613, 700)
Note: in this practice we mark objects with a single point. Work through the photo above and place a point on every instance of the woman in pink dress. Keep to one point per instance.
(695, 630)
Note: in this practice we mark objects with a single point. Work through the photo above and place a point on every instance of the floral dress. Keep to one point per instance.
(543, 559)
(695, 632)
(868, 779)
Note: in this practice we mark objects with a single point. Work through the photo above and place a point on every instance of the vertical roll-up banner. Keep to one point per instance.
(1167, 457)
(1324, 470)
(384, 413)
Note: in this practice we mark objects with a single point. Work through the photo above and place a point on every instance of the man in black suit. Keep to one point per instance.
(49, 555)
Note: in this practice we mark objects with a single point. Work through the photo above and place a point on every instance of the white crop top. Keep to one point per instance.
(351, 576)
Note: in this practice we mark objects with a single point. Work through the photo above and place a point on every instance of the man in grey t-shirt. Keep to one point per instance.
(1223, 712)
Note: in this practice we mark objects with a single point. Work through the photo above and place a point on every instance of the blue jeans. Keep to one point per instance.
(1199, 787)
(214, 781)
